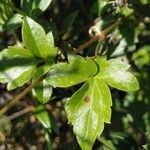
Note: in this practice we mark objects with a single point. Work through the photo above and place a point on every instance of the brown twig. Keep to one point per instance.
(21, 112)
(84, 29)
(101, 36)
(19, 97)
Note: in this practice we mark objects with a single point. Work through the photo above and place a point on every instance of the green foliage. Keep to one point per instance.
(35, 7)
(91, 106)
(74, 72)
(43, 91)
(8, 20)
(43, 116)
(16, 67)
(114, 73)
(88, 109)
(32, 31)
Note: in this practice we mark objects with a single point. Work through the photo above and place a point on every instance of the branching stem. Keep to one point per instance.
(101, 36)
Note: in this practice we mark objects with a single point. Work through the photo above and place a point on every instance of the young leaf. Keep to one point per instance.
(43, 116)
(88, 109)
(36, 41)
(115, 73)
(16, 63)
(43, 91)
(76, 71)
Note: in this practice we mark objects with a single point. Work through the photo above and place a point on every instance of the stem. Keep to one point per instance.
(21, 112)
(101, 36)
(91, 41)
(19, 97)
(110, 28)
(14, 8)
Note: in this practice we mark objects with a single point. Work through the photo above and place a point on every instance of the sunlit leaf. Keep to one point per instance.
(36, 41)
(76, 71)
(15, 64)
(88, 109)
(115, 73)
(13, 22)
(22, 79)
(40, 5)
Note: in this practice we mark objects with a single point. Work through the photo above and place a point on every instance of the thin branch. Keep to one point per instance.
(81, 30)
(19, 97)
(101, 36)
(21, 112)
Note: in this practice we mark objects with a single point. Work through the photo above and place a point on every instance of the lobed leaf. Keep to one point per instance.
(88, 109)
(76, 71)
(115, 73)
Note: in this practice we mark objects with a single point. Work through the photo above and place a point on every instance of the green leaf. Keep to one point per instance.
(88, 109)
(26, 6)
(13, 22)
(43, 116)
(101, 5)
(76, 71)
(22, 79)
(115, 73)
(142, 56)
(35, 7)
(15, 64)
(43, 92)
(144, 2)
(42, 5)
(42, 70)
(50, 38)
(36, 41)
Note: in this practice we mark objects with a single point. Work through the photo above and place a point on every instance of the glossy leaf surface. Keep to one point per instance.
(22, 79)
(43, 91)
(88, 109)
(115, 73)
(15, 64)
(76, 71)
(36, 41)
